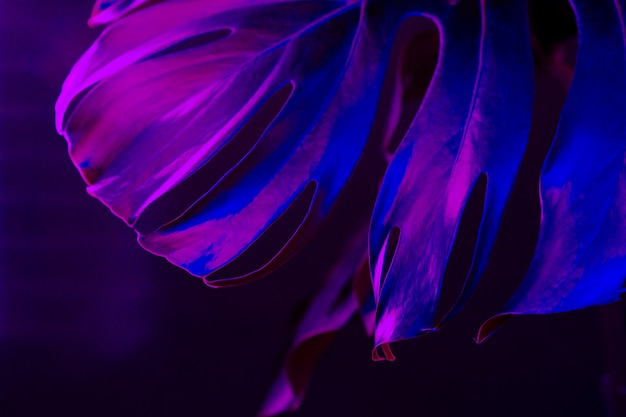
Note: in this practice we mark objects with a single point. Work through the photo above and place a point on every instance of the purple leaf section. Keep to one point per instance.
(330, 310)
(580, 258)
(107, 11)
(164, 89)
(469, 134)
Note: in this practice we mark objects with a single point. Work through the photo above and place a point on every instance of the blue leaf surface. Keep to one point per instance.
(580, 258)
(472, 128)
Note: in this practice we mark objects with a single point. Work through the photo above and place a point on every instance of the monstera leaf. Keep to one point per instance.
(580, 259)
(224, 133)
(173, 90)
(469, 136)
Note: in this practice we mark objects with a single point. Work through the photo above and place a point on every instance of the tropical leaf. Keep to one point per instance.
(216, 128)
(166, 91)
(580, 258)
(469, 136)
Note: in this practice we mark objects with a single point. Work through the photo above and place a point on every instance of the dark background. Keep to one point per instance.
(91, 325)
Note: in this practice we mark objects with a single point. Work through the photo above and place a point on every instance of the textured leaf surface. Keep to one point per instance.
(580, 259)
(164, 89)
(474, 122)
